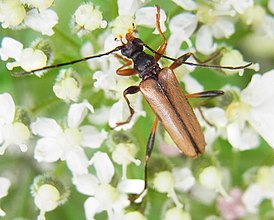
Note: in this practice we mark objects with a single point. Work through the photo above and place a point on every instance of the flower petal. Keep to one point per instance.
(10, 48)
(252, 197)
(182, 26)
(86, 184)
(223, 28)
(262, 120)
(91, 206)
(242, 137)
(46, 127)
(77, 161)
(91, 137)
(146, 17)
(259, 90)
(4, 186)
(128, 7)
(204, 40)
(77, 112)
(103, 166)
(7, 108)
(259, 96)
(47, 150)
(189, 5)
(134, 186)
(42, 20)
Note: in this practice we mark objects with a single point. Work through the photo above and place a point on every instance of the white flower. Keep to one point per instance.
(181, 26)
(42, 20)
(164, 182)
(38, 58)
(87, 18)
(135, 215)
(218, 24)
(204, 42)
(146, 17)
(11, 132)
(212, 178)
(119, 112)
(129, 7)
(241, 6)
(186, 4)
(262, 188)
(217, 117)
(14, 49)
(133, 186)
(124, 154)
(41, 4)
(12, 13)
(235, 58)
(266, 27)
(177, 213)
(66, 144)
(46, 199)
(100, 116)
(184, 179)
(67, 87)
(4, 187)
(253, 15)
(10, 48)
(122, 25)
(255, 107)
(103, 196)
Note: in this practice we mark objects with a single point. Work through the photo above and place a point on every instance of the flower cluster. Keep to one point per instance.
(65, 124)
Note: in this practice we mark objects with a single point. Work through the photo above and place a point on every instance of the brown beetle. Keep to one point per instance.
(162, 91)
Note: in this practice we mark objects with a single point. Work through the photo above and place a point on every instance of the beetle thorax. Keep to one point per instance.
(144, 64)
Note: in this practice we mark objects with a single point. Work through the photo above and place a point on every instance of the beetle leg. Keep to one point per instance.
(125, 60)
(149, 148)
(212, 57)
(129, 90)
(180, 60)
(162, 48)
(123, 71)
(205, 94)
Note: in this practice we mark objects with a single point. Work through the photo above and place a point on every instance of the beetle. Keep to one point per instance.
(161, 90)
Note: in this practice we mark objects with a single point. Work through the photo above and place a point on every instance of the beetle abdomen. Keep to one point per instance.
(173, 110)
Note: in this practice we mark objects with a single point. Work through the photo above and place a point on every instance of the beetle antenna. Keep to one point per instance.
(24, 73)
(217, 66)
(197, 64)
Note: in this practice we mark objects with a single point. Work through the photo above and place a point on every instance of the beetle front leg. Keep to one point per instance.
(129, 90)
(161, 50)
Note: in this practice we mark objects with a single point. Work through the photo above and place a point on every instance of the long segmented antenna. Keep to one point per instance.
(199, 64)
(24, 73)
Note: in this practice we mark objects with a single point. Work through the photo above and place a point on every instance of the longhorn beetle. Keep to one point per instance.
(162, 91)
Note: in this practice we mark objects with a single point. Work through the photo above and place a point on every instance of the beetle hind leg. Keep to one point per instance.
(205, 94)
(149, 148)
